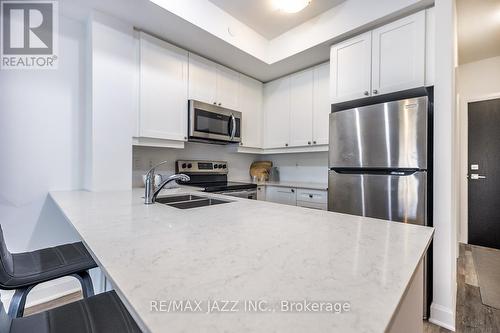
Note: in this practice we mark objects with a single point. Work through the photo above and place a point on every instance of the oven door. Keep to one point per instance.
(247, 194)
(209, 122)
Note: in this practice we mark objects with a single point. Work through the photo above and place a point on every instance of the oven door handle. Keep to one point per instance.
(239, 193)
(233, 129)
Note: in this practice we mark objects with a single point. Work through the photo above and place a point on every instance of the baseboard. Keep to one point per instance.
(442, 316)
(45, 292)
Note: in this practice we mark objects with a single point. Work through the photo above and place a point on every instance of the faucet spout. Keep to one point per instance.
(150, 191)
(182, 177)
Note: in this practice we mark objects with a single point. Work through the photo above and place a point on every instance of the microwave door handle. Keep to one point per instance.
(233, 131)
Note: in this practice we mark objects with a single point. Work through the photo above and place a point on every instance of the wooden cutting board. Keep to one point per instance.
(260, 169)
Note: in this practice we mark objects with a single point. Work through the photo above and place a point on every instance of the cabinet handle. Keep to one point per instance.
(286, 144)
(310, 196)
(366, 93)
(375, 91)
(293, 191)
(308, 142)
(314, 142)
(215, 103)
(220, 104)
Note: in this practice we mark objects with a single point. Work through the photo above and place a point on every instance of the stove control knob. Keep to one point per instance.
(223, 166)
(190, 165)
(220, 166)
(183, 165)
(215, 166)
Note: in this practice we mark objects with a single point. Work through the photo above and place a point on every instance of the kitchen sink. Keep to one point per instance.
(188, 201)
(178, 198)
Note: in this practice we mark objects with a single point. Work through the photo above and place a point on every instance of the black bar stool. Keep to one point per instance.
(23, 271)
(103, 313)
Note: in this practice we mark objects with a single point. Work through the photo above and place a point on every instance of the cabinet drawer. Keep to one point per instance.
(282, 195)
(314, 196)
(313, 205)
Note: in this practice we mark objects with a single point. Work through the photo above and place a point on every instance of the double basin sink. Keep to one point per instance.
(187, 201)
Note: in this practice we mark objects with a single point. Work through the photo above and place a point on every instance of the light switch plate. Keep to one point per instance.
(474, 166)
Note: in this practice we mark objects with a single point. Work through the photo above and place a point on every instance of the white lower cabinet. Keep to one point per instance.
(316, 199)
(261, 193)
(282, 195)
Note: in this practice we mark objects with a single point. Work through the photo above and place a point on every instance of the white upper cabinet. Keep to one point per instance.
(301, 105)
(388, 59)
(321, 104)
(250, 104)
(277, 113)
(227, 87)
(202, 79)
(399, 55)
(163, 90)
(350, 68)
(212, 83)
(297, 108)
(430, 46)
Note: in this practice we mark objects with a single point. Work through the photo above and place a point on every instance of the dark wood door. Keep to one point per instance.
(484, 173)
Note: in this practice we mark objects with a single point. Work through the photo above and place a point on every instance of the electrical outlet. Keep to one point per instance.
(137, 163)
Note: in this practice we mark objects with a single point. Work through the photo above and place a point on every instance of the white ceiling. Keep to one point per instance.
(478, 28)
(191, 27)
(266, 20)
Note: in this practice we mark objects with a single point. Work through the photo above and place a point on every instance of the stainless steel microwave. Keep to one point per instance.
(213, 124)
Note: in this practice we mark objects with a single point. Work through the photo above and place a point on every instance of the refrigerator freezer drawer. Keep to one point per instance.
(387, 135)
(400, 198)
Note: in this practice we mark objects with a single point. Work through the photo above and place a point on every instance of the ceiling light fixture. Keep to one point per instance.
(291, 6)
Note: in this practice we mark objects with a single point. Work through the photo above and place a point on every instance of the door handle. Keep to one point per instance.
(233, 131)
(475, 176)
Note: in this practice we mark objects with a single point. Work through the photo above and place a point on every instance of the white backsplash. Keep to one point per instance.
(304, 167)
(145, 157)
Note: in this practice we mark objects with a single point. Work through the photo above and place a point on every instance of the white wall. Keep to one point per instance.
(306, 167)
(41, 130)
(445, 207)
(146, 157)
(112, 103)
(475, 81)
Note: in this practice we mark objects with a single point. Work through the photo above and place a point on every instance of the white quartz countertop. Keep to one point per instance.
(246, 250)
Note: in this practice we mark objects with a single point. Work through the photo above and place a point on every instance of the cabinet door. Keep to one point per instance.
(321, 104)
(277, 113)
(250, 105)
(261, 193)
(301, 105)
(163, 90)
(282, 195)
(430, 46)
(202, 79)
(350, 69)
(399, 55)
(227, 88)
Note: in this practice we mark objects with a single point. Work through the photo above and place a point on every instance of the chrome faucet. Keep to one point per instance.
(151, 192)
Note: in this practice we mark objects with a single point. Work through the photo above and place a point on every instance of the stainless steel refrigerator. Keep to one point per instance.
(378, 161)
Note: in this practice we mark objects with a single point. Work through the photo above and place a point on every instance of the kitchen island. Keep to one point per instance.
(251, 266)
